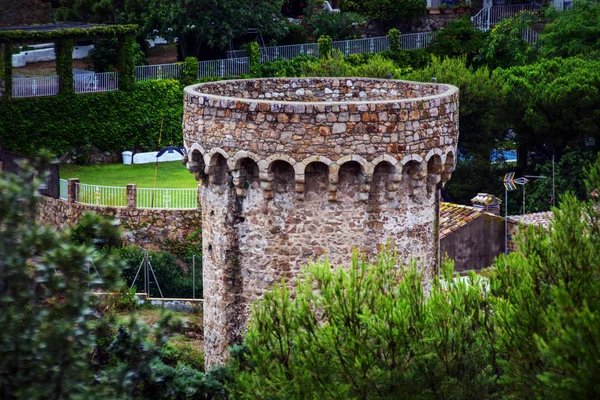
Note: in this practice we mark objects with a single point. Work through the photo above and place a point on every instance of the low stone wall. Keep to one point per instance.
(147, 227)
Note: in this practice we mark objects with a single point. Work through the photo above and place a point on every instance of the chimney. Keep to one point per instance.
(487, 202)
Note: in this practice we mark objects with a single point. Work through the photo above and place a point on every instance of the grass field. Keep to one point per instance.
(170, 175)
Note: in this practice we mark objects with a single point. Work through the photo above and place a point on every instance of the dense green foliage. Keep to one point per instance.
(386, 10)
(173, 279)
(527, 330)
(505, 46)
(459, 38)
(572, 32)
(337, 25)
(552, 103)
(104, 57)
(253, 54)
(325, 46)
(64, 65)
(195, 24)
(394, 38)
(114, 121)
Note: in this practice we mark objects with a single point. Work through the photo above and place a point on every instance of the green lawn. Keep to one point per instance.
(170, 175)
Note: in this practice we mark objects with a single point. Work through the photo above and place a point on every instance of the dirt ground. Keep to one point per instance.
(161, 54)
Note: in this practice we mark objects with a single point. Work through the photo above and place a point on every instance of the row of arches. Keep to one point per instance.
(350, 178)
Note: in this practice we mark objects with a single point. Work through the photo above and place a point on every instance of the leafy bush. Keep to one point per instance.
(377, 67)
(572, 32)
(190, 71)
(459, 38)
(285, 68)
(296, 34)
(338, 26)
(386, 10)
(325, 45)
(505, 46)
(253, 53)
(394, 38)
(334, 66)
(110, 121)
(104, 56)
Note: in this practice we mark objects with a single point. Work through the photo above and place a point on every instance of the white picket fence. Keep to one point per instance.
(35, 87)
(167, 198)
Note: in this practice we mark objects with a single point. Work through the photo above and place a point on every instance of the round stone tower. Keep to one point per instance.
(294, 169)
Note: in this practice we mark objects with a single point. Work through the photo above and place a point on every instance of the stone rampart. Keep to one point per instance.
(144, 227)
(294, 169)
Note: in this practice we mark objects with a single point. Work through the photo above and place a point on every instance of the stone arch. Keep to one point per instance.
(411, 157)
(196, 164)
(449, 165)
(383, 179)
(367, 168)
(217, 168)
(351, 178)
(316, 184)
(237, 158)
(434, 152)
(266, 165)
(435, 169)
(282, 173)
(301, 166)
(246, 177)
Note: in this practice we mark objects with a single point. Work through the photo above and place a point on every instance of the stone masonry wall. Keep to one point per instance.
(289, 174)
(24, 12)
(144, 227)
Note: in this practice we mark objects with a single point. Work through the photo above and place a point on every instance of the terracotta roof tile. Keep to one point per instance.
(542, 219)
(455, 216)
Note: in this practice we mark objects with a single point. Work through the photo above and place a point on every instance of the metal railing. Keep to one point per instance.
(167, 198)
(530, 36)
(35, 87)
(159, 71)
(225, 67)
(490, 16)
(96, 82)
(110, 196)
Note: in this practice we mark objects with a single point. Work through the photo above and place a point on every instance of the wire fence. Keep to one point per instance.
(167, 198)
(110, 196)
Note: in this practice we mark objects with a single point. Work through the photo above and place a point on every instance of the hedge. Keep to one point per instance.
(110, 121)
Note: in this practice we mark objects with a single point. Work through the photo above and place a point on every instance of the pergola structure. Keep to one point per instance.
(64, 35)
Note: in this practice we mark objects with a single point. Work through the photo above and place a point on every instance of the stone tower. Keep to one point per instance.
(292, 169)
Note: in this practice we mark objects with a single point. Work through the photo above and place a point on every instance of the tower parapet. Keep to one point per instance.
(292, 169)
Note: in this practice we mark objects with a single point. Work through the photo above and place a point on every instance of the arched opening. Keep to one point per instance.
(382, 176)
(434, 171)
(283, 177)
(350, 177)
(196, 165)
(218, 169)
(316, 178)
(249, 178)
(449, 165)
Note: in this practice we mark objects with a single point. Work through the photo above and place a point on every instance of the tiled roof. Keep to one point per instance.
(542, 219)
(454, 216)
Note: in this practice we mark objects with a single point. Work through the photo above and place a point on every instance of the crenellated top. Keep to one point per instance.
(411, 128)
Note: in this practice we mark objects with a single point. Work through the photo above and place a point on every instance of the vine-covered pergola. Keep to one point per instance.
(64, 35)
